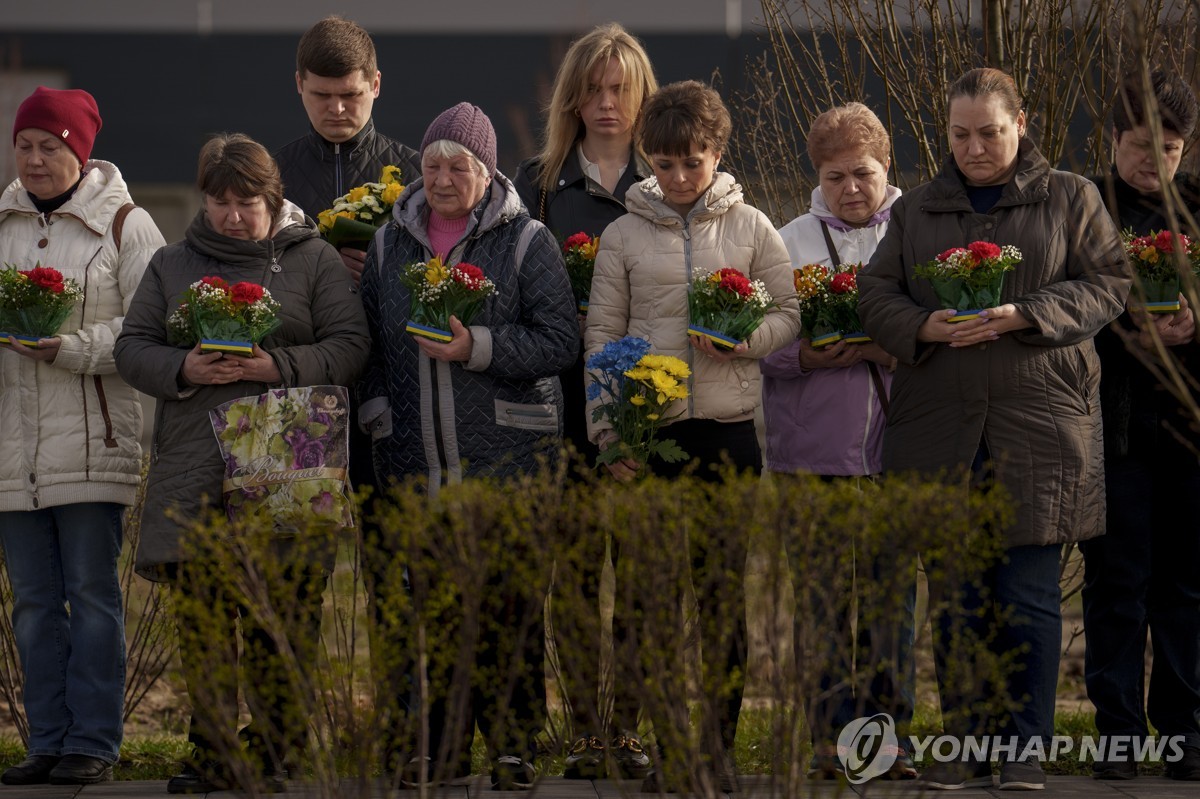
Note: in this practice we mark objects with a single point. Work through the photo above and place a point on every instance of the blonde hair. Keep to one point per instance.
(570, 92)
(852, 126)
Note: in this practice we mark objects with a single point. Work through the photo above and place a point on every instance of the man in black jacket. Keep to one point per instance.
(338, 80)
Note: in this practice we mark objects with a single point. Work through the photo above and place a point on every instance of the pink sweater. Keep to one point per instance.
(445, 233)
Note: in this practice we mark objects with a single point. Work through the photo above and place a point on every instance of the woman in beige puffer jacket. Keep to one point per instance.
(71, 458)
(687, 220)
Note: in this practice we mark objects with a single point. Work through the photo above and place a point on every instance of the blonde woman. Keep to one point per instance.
(577, 184)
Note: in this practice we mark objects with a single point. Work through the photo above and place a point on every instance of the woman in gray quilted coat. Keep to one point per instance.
(487, 403)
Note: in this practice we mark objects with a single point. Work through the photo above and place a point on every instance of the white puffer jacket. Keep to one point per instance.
(646, 263)
(71, 428)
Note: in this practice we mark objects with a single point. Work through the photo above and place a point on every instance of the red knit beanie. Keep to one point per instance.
(467, 125)
(70, 114)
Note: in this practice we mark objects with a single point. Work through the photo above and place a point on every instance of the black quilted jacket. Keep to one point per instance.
(316, 172)
(496, 414)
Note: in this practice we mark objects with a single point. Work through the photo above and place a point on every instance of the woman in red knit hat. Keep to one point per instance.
(71, 460)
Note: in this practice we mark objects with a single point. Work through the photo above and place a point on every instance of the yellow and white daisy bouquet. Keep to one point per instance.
(356, 215)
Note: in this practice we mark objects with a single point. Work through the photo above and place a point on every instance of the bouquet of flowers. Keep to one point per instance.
(1155, 260)
(579, 251)
(286, 457)
(34, 303)
(969, 279)
(439, 292)
(829, 304)
(639, 386)
(223, 318)
(356, 215)
(726, 307)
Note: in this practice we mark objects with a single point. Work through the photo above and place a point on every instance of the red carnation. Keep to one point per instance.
(1165, 241)
(576, 240)
(950, 252)
(215, 282)
(734, 281)
(983, 250)
(244, 292)
(468, 275)
(843, 283)
(46, 278)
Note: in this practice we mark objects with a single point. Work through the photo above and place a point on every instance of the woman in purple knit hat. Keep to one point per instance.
(486, 403)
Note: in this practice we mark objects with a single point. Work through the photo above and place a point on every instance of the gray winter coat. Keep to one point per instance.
(497, 413)
(1030, 395)
(322, 340)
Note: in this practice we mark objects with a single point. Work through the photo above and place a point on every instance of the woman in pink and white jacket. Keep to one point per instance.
(825, 411)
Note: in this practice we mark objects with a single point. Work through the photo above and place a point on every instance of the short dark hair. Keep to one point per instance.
(1176, 101)
(683, 115)
(336, 47)
(235, 162)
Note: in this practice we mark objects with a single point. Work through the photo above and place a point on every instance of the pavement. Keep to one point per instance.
(753, 787)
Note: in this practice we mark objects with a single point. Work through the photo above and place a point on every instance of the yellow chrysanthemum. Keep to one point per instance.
(391, 192)
(678, 393)
(639, 373)
(1149, 255)
(662, 381)
(714, 278)
(667, 363)
(436, 271)
(637, 399)
(652, 417)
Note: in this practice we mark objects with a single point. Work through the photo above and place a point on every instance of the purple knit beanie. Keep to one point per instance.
(467, 125)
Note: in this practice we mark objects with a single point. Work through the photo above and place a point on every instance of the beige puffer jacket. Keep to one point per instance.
(646, 263)
(71, 428)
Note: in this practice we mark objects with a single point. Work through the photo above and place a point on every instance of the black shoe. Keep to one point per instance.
(511, 773)
(1114, 769)
(1186, 767)
(1022, 775)
(80, 770)
(33, 770)
(209, 777)
(585, 761)
(632, 761)
(955, 776)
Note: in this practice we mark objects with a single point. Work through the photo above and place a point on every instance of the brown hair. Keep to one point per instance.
(336, 47)
(684, 115)
(570, 92)
(1176, 103)
(852, 126)
(986, 81)
(237, 163)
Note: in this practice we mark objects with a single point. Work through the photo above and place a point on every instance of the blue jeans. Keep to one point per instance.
(1141, 577)
(73, 661)
(1013, 610)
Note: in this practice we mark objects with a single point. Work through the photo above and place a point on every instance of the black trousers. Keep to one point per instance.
(278, 656)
